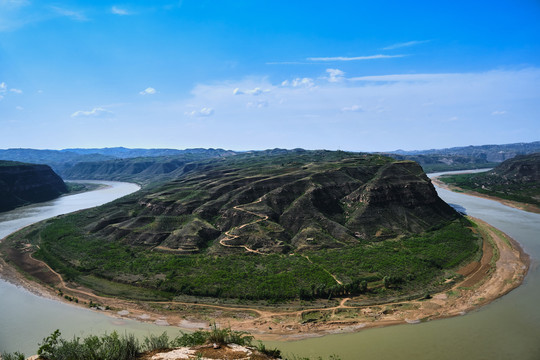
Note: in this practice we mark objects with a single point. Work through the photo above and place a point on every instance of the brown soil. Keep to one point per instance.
(501, 269)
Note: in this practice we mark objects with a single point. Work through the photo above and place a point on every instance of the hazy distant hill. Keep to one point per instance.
(124, 153)
(468, 157)
(490, 153)
(141, 165)
(22, 184)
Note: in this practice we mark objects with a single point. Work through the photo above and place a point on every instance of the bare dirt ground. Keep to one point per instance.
(513, 204)
(502, 268)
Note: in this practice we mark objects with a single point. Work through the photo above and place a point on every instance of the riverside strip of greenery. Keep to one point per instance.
(126, 347)
(476, 182)
(516, 179)
(413, 263)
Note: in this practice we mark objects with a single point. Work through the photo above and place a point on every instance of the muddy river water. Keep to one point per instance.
(508, 328)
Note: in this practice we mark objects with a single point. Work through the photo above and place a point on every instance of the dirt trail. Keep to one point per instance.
(230, 237)
(328, 272)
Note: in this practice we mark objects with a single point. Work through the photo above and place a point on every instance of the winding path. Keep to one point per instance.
(230, 237)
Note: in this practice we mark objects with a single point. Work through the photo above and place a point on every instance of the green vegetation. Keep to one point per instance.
(127, 347)
(408, 264)
(73, 187)
(106, 347)
(517, 179)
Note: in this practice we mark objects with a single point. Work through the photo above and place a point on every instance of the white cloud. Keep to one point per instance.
(203, 112)
(257, 105)
(354, 58)
(74, 15)
(119, 11)
(405, 44)
(20, 108)
(498, 112)
(148, 91)
(4, 90)
(313, 112)
(97, 112)
(299, 82)
(354, 108)
(255, 92)
(335, 75)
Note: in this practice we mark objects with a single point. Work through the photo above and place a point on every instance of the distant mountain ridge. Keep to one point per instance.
(149, 165)
(126, 153)
(140, 165)
(491, 153)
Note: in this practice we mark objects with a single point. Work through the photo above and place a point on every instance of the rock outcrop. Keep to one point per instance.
(22, 184)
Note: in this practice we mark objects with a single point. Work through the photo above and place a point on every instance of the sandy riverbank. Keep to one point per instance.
(502, 268)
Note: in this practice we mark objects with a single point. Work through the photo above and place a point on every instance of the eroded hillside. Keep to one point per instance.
(279, 226)
(279, 208)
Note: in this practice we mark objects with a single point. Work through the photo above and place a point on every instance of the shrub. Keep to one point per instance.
(15, 356)
(154, 342)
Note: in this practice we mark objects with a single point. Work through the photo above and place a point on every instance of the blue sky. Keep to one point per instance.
(350, 75)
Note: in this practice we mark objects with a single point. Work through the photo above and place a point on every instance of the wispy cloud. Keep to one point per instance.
(405, 44)
(74, 15)
(299, 82)
(148, 91)
(365, 114)
(13, 3)
(287, 63)
(257, 105)
(354, 108)
(203, 112)
(354, 58)
(4, 90)
(119, 11)
(498, 112)
(97, 112)
(255, 92)
(402, 77)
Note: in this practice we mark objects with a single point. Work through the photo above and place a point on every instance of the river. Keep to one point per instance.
(25, 318)
(508, 328)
